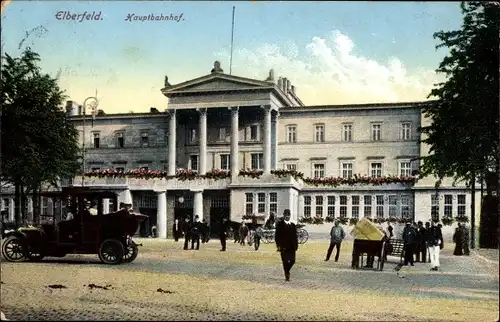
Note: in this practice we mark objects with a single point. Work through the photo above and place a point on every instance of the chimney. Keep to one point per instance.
(284, 86)
(270, 78)
(293, 89)
(288, 86)
(80, 109)
(70, 108)
(153, 110)
(280, 83)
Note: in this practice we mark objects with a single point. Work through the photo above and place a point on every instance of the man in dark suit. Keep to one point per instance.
(223, 231)
(287, 242)
(421, 252)
(195, 232)
(410, 240)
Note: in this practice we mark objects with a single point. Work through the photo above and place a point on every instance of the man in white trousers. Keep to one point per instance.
(434, 240)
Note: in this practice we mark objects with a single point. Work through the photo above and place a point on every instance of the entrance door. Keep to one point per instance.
(182, 213)
(144, 229)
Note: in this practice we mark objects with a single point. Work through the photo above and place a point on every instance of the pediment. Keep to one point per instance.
(219, 82)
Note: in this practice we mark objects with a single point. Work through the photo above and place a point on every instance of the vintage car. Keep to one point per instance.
(82, 229)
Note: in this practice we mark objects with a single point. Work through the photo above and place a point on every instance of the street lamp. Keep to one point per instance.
(91, 102)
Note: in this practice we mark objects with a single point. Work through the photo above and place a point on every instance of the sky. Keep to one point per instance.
(333, 52)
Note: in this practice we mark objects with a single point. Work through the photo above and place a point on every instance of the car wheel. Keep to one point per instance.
(14, 249)
(111, 252)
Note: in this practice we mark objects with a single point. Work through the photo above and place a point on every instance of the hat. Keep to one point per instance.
(287, 212)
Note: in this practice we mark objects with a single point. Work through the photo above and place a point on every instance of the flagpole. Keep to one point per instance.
(232, 40)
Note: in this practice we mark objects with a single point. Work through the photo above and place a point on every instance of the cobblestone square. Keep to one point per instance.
(168, 283)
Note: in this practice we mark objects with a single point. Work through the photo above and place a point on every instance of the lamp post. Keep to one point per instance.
(92, 102)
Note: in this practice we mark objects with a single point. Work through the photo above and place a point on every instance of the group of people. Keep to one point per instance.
(420, 241)
(192, 231)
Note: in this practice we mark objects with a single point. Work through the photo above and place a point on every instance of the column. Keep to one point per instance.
(267, 139)
(198, 204)
(172, 143)
(202, 166)
(11, 210)
(125, 197)
(274, 140)
(2, 204)
(161, 215)
(105, 206)
(235, 137)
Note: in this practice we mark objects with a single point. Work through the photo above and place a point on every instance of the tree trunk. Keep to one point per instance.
(17, 204)
(473, 212)
(36, 205)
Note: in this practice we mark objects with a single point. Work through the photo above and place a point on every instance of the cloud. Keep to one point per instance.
(328, 71)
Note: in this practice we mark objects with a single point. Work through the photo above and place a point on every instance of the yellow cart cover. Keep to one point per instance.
(367, 230)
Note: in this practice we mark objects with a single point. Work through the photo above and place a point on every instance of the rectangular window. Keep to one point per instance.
(95, 168)
(273, 202)
(192, 135)
(120, 169)
(223, 137)
(331, 207)
(225, 161)
(291, 166)
(406, 131)
(319, 206)
(376, 132)
(461, 205)
(435, 207)
(96, 137)
(347, 132)
(248, 203)
(193, 162)
(393, 206)
(376, 169)
(120, 140)
(261, 203)
(319, 170)
(367, 206)
(355, 207)
(343, 206)
(144, 139)
(307, 206)
(405, 207)
(347, 170)
(380, 206)
(319, 133)
(448, 206)
(291, 133)
(257, 161)
(405, 168)
(254, 132)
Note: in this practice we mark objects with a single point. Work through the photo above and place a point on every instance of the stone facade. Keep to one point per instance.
(227, 122)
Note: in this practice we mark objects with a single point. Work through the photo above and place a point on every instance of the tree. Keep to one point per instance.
(463, 136)
(39, 144)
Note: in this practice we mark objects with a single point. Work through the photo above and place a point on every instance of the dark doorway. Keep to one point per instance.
(488, 234)
(182, 213)
(145, 226)
(216, 215)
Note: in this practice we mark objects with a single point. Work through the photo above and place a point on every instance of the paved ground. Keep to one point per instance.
(167, 283)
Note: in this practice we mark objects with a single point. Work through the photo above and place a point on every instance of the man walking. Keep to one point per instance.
(176, 229)
(243, 233)
(409, 241)
(186, 227)
(337, 234)
(465, 240)
(287, 242)
(223, 231)
(435, 244)
(196, 229)
(205, 231)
